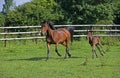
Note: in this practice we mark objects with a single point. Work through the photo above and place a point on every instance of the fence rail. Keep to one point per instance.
(98, 35)
(13, 33)
(15, 27)
(97, 30)
(25, 38)
(87, 25)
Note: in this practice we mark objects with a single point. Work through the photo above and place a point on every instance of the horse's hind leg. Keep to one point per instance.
(56, 49)
(67, 49)
(67, 53)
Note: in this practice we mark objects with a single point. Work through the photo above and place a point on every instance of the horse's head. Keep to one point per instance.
(44, 27)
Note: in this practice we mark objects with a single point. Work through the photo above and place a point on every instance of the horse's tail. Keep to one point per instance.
(71, 30)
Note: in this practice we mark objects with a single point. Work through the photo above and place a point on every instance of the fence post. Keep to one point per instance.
(5, 42)
(36, 41)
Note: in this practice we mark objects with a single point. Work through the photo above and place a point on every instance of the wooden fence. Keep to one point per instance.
(112, 30)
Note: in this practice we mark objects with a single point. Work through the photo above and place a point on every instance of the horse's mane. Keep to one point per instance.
(50, 23)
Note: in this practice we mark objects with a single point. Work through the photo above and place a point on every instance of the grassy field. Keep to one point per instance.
(22, 59)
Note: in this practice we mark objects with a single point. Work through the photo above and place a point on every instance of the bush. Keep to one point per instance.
(110, 41)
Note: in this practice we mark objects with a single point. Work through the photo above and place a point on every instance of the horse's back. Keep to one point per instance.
(60, 35)
(64, 31)
(95, 40)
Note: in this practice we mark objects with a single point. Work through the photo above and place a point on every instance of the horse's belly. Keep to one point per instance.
(49, 40)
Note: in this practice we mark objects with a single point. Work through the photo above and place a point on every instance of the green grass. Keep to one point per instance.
(22, 59)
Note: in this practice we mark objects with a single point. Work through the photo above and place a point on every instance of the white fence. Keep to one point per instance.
(4, 31)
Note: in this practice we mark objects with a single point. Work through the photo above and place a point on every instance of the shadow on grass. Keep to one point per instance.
(42, 58)
(75, 57)
(108, 65)
(29, 59)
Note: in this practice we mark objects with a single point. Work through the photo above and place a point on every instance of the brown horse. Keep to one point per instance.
(56, 36)
(94, 41)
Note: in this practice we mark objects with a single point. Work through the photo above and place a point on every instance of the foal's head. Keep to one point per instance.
(89, 35)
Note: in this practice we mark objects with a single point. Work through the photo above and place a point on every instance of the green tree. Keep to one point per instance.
(2, 19)
(117, 12)
(32, 13)
(87, 11)
(66, 12)
(8, 4)
(14, 18)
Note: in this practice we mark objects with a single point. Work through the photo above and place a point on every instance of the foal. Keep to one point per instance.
(94, 41)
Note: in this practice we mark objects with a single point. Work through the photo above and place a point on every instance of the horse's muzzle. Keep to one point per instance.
(86, 38)
(42, 34)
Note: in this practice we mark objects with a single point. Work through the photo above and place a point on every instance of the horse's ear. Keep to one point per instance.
(50, 22)
(90, 31)
(43, 21)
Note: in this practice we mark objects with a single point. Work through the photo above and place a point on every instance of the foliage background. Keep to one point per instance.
(61, 12)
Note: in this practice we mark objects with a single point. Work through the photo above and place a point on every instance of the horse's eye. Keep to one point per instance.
(42, 25)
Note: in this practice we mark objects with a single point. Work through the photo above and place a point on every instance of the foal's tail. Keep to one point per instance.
(71, 30)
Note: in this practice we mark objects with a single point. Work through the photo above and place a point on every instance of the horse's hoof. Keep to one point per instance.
(47, 59)
(65, 57)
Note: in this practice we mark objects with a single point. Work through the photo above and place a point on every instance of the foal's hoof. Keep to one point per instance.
(69, 55)
(96, 56)
(59, 55)
(102, 54)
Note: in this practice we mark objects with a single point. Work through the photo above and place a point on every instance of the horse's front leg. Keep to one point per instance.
(56, 49)
(48, 51)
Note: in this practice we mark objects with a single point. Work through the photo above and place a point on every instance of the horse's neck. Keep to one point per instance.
(90, 38)
(49, 32)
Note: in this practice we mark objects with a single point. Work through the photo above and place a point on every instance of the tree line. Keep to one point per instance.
(61, 12)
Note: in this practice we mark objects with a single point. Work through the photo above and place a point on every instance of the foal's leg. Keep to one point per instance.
(99, 50)
(94, 51)
(56, 49)
(48, 51)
